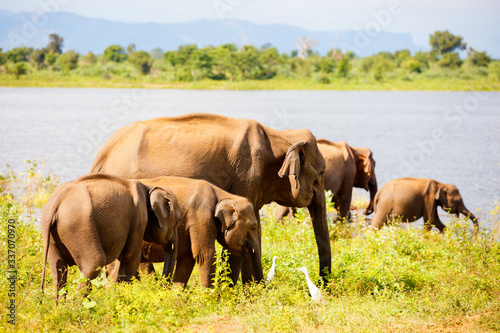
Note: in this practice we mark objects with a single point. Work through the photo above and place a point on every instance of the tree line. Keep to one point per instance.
(230, 62)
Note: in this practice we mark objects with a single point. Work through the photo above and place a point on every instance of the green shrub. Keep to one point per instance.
(18, 69)
(142, 61)
(115, 53)
(69, 60)
(494, 70)
(321, 78)
(413, 66)
(450, 60)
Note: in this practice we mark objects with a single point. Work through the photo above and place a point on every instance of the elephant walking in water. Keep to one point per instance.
(240, 156)
(413, 198)
(98, 218)
(346, 167)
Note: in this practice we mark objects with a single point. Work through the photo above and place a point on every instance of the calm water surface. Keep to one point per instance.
(453, 137)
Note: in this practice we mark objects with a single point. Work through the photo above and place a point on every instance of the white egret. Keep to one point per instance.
(313, 290)
(270, 275)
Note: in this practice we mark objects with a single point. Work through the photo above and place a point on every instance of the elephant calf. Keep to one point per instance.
(98, 218)
(413, 198)
(208, 214)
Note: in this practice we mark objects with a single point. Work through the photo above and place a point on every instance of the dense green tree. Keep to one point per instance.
(425, 58)
(413, 65)
(386, 55)
(50, 59)
(401, 56)
(494, 70)
(19, 69)
(325, 65)
(69, 60)
(223, 66)
(450, 60)
(344, 65)
(38, 58)
(142, 61)
(444, 42)
(367, 64)
(89, 59)
(19, 54)
(270, 60)
(200, 63)
(480, 59)
(115, 53)
(246, 61)
(3, 57)
(55, 43)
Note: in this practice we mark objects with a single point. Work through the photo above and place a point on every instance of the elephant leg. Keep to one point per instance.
(235, 262)
(206, 266)
(379, 219)
(146, 268)
(343, 208)
(282, 212)
(59, 272)
(129, 264)
(112, 270)
(91, 267)
(441, 227)
(247, 269)
(183, 270)
(433, 220)
(344, 201)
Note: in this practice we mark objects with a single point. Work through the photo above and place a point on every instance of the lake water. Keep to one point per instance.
(453, 137)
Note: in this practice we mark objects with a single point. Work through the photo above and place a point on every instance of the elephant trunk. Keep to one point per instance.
(317, 210)
(471, 217)
(170, 257)
(373, 188)
(255, 255)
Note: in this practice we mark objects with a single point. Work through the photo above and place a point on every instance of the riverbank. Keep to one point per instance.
(411, 83)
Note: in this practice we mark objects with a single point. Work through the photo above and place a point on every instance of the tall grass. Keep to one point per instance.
(397, 279)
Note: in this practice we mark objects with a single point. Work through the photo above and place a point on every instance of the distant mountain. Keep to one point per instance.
(85, 34)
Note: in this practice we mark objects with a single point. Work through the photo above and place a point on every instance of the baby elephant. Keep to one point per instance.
(98, 218)
(208, 214)
(413, 198)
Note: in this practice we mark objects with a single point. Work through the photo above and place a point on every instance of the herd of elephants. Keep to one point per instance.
(166, 189)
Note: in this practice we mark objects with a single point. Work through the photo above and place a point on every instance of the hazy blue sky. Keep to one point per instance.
(478, 21)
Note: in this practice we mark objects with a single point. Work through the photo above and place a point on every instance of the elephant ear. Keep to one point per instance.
(164, 205)
(441, 196)
(364, 166)
(291, 166)
(225, 211)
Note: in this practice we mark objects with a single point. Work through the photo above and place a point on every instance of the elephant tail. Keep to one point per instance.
(375, 202)
(48, 221)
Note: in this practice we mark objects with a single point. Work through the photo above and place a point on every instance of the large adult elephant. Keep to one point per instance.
(240, 156)
(346, 167)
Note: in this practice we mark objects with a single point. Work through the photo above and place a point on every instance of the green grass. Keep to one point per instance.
(414, 83)
(396, 280)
